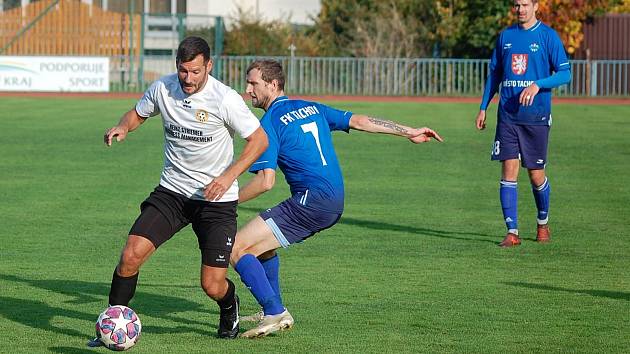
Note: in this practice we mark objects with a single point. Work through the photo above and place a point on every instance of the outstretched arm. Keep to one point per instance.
(128, 123)
(262, 182)
(255, 146)
(383, 126)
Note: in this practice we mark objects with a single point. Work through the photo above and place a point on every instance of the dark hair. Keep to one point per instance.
(190, 47)
(269, 70)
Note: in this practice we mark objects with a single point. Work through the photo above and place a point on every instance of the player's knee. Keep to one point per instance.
(130, 262)
(235, 256)
(267, 255)
(137, 250)
(214, 288)
(238, 250)
(537, 177)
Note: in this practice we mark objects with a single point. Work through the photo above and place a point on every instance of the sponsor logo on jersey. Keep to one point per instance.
(540, 161)
(187, 103)
(517, 83)
(507, 46)
(519, 63)
(186, 133)
(201, 115)
(534, 47)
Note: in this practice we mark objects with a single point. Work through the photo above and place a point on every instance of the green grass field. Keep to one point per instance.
(413, 265)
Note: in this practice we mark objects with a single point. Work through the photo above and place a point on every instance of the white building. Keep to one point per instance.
(298, 11)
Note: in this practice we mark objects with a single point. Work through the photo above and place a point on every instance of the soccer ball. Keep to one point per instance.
(118, 327)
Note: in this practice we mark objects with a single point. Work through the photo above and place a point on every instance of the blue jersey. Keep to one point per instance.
(300, 144)
(520, 58)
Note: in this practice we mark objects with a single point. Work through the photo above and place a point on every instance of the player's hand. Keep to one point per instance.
(423, 135)
(481, 120)
(217, 188)
(118, 132)
(527, 95)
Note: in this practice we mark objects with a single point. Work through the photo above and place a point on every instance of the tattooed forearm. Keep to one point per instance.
(388, 124)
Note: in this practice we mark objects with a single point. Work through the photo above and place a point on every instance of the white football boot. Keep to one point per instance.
(270, 324)
(256, 317)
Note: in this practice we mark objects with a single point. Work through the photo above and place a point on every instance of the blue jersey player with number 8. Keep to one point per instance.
(528, 61)
(300, 144)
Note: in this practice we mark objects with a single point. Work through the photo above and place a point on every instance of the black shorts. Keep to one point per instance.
(165, 212)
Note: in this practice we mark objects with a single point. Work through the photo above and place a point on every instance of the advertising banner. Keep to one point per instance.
(54, 74)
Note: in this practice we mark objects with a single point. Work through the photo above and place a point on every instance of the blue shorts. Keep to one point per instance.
(291, 222)
(525, 142)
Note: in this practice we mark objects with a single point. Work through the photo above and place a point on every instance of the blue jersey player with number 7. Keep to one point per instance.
(300, 144)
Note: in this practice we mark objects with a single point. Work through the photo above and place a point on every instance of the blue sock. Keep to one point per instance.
(541, 196)
(272, 268)
(508, 193)
(253, 276)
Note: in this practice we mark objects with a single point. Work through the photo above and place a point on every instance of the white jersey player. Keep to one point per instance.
(198, 185)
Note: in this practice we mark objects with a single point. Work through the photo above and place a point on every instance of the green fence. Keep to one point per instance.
(386, 76)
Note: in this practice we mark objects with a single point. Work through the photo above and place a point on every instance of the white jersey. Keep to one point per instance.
(198, 132)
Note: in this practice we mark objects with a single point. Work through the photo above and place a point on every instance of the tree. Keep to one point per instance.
(406, 28)
(482, 22)
(371, 28)
(250, 35)
(621, 7)
(411, 28)
(387, 32)
(567, 17)
(450, 26)
(485, 19)
(335, 23)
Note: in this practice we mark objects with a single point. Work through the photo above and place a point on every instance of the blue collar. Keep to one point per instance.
(532, 28)
(278, 99)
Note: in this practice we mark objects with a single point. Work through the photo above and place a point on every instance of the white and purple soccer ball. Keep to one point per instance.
(118, 327)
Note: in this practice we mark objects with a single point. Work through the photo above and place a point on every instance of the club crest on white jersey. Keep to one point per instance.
(201, 115)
